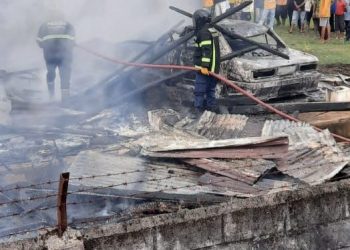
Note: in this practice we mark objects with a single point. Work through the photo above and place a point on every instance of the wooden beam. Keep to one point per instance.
(62, 223)
(302, 107)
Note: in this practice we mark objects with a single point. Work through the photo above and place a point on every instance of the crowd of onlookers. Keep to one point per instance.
(324, 16)
(327, 15)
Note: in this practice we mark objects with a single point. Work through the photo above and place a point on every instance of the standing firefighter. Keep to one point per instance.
(56, 38)
(207, 59)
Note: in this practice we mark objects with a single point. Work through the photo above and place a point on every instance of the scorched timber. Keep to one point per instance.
(257, 148)
(291, 107)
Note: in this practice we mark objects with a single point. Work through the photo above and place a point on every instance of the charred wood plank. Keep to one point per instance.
(62, 223)
(292, 107)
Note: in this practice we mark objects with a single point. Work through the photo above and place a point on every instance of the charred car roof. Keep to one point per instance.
(243, 28)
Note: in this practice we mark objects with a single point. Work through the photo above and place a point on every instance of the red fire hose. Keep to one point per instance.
(219, 77)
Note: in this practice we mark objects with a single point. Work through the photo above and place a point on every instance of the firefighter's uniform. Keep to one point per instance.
(207, 55)
(57, 39)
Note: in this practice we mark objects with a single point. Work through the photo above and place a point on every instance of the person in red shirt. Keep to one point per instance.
(340, 9)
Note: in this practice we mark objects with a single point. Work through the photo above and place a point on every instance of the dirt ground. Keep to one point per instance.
(335, 68)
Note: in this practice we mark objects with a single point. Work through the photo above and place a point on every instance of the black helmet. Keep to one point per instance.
(200, 18)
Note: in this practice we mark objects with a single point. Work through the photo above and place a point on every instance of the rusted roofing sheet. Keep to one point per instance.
(255, 147)
(247, 170)
(313, 157)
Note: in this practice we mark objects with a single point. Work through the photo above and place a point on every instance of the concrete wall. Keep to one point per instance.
(314, 218)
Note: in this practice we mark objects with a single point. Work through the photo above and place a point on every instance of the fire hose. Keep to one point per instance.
(222, 79)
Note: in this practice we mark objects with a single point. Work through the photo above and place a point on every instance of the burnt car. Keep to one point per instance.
(264, 74)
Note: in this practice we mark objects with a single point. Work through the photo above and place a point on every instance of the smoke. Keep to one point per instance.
(100, 25)
(108, 20)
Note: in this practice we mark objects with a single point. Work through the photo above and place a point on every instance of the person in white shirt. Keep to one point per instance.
(308, 13)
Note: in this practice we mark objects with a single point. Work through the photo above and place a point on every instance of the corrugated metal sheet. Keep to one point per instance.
(229, 143)
(269, 186)
(210, 125)
(258, 147)
(313, 156)
(223, 184)
(166, 178)
(214, 126)
(264, 186)
(247, 170)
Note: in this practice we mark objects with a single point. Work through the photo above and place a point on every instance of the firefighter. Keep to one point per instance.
(207, 59)
(57, 38)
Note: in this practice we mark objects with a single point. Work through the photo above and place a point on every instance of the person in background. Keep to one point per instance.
(237, 15)
(268, 13)
(347, 21)
(246, 13)
(331, 18)
(207, 3)
(290, 9)
(57, 39)
(298, 14)
(258, 8)
(221, 6)
(207, 59)
(324, 14)
(340, 9)
(234, 2)
(281, 12)
(308, 13)
(316, 17)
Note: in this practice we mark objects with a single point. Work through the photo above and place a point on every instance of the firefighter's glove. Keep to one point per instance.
(204, 71)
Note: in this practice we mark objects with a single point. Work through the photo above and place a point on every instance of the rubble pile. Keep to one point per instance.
(165, 161)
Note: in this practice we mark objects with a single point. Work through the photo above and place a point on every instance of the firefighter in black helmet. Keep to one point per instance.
(207, 59)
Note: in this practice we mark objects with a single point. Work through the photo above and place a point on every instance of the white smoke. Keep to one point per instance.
(108, 20)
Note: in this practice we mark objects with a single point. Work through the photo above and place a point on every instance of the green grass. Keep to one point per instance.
(332, 52)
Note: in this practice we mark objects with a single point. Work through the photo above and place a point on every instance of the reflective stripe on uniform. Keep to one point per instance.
(206, 42)
(49, 37)
(205, 59)
(215, 35)
(214, 61)
(198, 67)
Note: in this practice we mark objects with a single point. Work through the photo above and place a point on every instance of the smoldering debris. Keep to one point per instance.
(121, 158)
